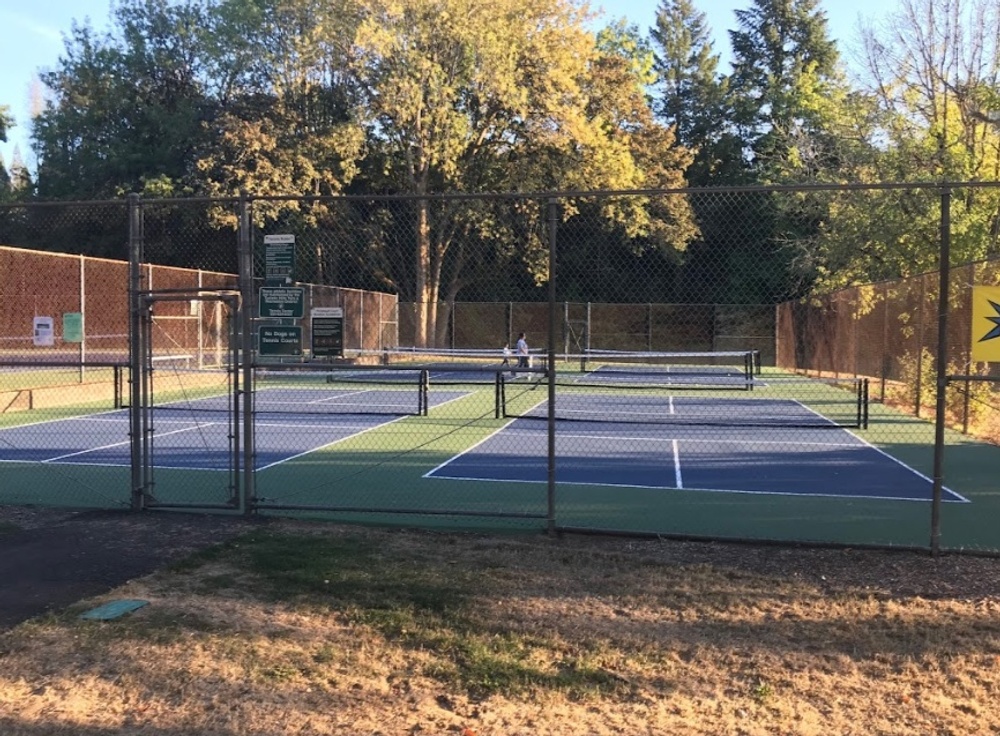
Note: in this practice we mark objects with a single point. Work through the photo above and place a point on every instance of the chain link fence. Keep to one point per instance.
(684, 363)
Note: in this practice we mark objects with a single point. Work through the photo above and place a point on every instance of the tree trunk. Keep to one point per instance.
(422, 292)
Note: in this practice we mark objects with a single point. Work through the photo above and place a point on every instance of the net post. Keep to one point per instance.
(859, 402)
(497, 380)
(866, 404)
(503, 398)
(423, 389)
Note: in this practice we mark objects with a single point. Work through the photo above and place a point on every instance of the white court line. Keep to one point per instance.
(678, 480)
(81, 417)
(72, 465)
(883, 453)
(462, 395)
(594, 484)
(117, 444)
(913, 470)
(341, 395)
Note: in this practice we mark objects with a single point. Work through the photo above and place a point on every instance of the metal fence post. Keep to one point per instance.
(553, 218)
(885, 364)
(942, 369)
(920, 347)
(82, 349)
(246, 351)
(135, 349)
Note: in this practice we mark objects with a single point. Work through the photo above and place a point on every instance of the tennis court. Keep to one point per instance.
(196, 434)
(621, 420)
(772, 446)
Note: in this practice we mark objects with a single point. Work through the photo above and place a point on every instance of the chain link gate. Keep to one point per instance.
(187, 422)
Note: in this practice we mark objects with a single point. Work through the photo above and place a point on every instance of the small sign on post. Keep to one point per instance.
(73, 327)
(286, 302)
(279, 260)
(280, 340)
(44, 335)
(985, 324)
(327, 331)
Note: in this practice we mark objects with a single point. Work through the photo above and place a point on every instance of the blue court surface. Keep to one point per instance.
(194, 435)
(658, 453)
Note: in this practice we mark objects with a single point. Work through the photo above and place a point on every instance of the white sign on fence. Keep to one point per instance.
(44, 332)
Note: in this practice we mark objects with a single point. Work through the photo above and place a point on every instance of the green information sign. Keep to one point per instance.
(279, 259)
(279, 341)
(72, 327)
(286, 302)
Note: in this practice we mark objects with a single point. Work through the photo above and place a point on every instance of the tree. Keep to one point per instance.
(125, 110)
(5, 189)
(283, 123)
(6, 122)
(693, 95)
(933, 77)
(783, 58)
(462, 95)
(782, 93)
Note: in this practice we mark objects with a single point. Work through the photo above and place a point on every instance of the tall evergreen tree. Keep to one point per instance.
(693, 93)
(4, 181)
(783, 60)
(20, 177)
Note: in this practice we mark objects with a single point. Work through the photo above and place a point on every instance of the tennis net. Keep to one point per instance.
(790, 404)
(463, 366)
(290, 390)
(725, 370)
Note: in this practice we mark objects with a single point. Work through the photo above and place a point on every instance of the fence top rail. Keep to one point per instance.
(35, 363)
(940, 186)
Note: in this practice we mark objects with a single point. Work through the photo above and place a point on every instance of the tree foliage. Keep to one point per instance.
(933, 78)
(460, 95)
(417, 98)
(125, 110)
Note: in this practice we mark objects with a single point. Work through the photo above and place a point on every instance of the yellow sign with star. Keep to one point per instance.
(986, 324)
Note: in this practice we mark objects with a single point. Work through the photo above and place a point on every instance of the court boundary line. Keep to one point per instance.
(327, 444)
(476, 479)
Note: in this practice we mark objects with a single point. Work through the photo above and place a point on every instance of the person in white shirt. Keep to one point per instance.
(506, 358)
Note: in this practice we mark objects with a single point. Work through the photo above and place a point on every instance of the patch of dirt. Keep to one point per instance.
(50, 558)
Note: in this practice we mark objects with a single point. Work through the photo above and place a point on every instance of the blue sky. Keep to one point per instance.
(33, 39)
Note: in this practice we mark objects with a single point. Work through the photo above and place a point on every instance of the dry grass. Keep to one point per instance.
(329, 630)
